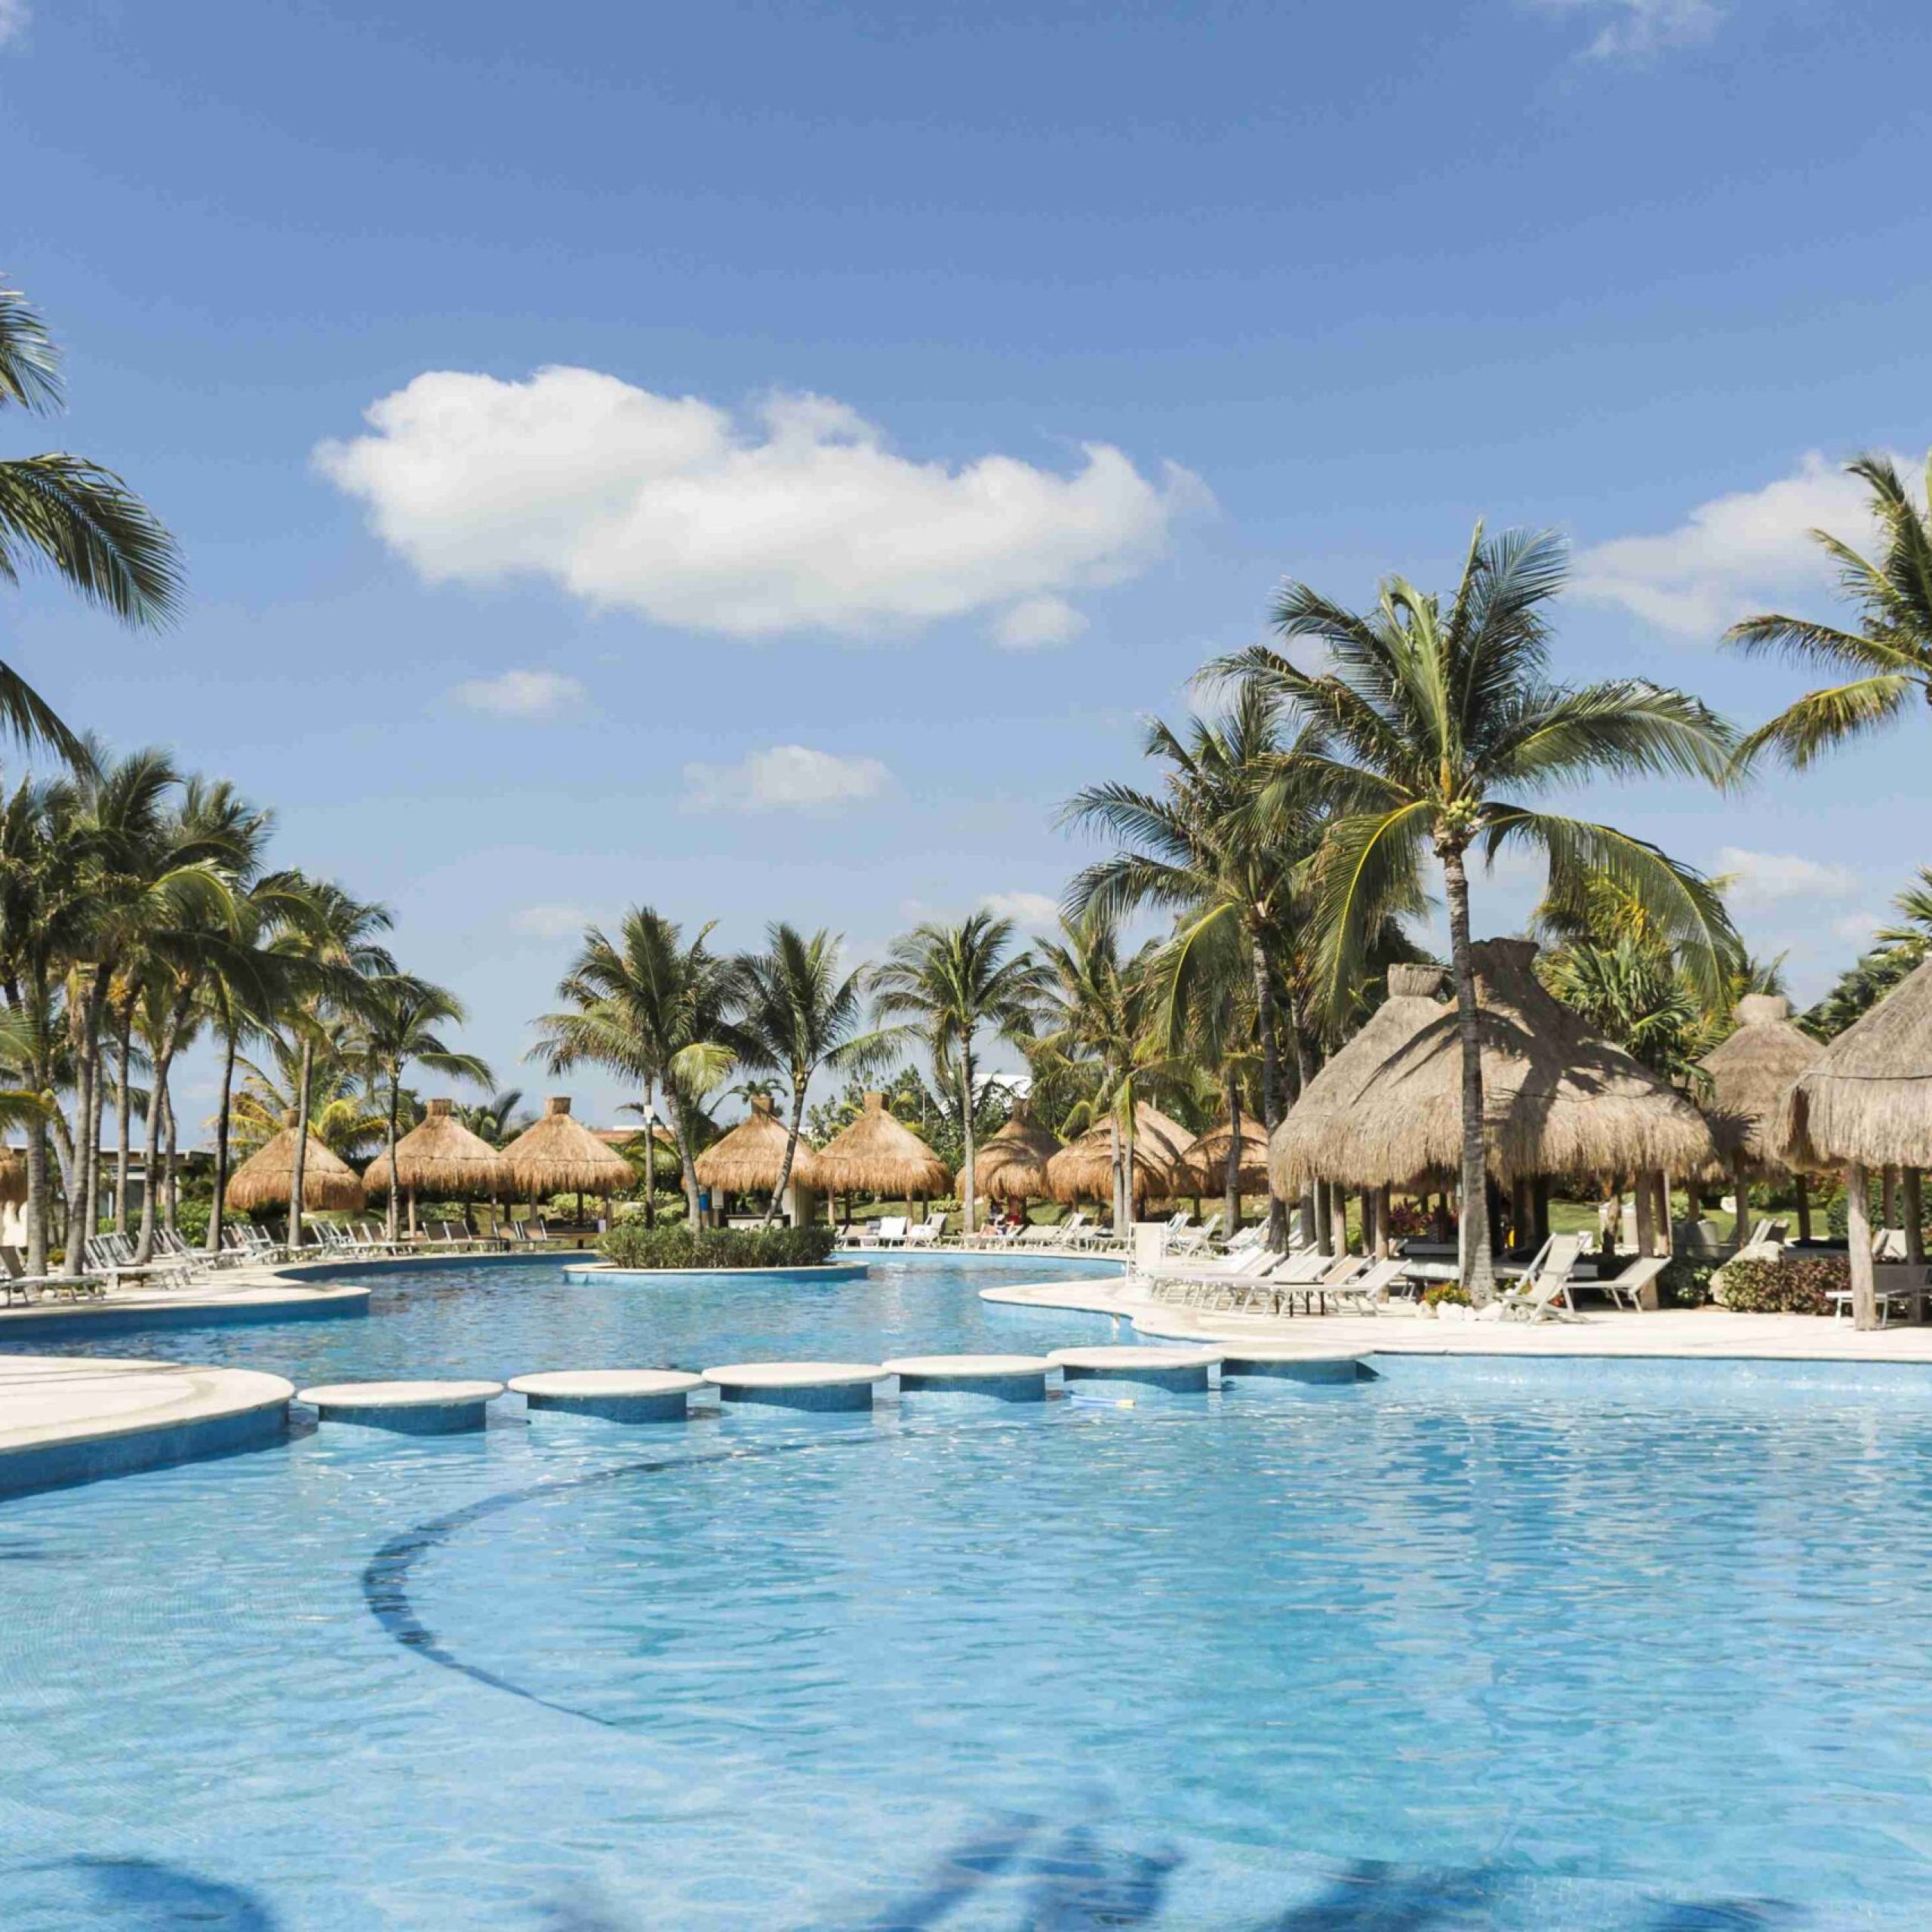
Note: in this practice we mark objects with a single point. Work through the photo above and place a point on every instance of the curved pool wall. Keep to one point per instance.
(591, 1277)
(1471, 1642)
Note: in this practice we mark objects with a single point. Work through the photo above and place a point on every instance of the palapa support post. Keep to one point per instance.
(1803, 1208)
(1740, 1182)
(1666, 1242)
(1646, 1216)
(1911, 1200)
(1888, 1199)
(1858, 1233)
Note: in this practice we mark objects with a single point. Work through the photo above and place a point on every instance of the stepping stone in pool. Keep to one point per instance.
(410, 1408)
(1281, 1361)
(797, 1385)
(612, 1395)
(996, 1378)
(1175, 1371)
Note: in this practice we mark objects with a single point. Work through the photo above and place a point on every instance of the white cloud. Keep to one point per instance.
(1634, 27)
(1759, 879)
(1856, 928)
(1034, 910)
(800, 518)
(550, 921)
(1039, 624)
(784, 777)
(1733, 554)
(520, 694)
(15, 16)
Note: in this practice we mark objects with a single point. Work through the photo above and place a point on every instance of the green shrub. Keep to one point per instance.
(1686, 1284)
(1792, 1286)
(631, 1245)
(1437, 1292)
(191, 1219)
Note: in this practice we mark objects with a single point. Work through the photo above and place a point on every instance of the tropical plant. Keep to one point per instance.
(70, 515)
(796, 1012)
(1886, 662)
(399, 1014)
(499, 1120)
(1223, 845)
(1439, 724)
(650, 1007)
(950, 987)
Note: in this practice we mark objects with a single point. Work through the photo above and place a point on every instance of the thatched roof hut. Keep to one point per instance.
(1751, 1074)
(1387, 1109)
(13, 1176)
(880, 1155)
(557, 1154)
(439, 1157)
(1867, 1097)
(1011, 1163)
(1205, 1161)
(751, 1155)
(1083, 1169)
(264, 1179)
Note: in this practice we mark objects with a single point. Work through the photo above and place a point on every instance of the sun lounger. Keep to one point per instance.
(888, 1231)
(1546, 1294)
(928, 1232)
(1625, 1289)
(14, 1280)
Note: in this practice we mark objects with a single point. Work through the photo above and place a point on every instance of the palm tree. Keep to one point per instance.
(951, 985)
(651, 1008)
(71, 516)
(335, 942)
(1887, 662)
(1443, 722)
(399, 1017)
(1098, 1009)
(1223, 845)
(795, 1013)
(494, 1121)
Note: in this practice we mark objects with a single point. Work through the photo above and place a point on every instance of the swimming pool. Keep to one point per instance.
(1475, 1643)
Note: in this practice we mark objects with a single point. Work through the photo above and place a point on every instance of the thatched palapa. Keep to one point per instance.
(264, 1180)
(1387, 1110)
(1011, 1165)
(557, 1154)
(1867, 1097)
(1751, 1075)
(1084, 1169)
(878, 1154)
(752, 1156)
(1205, 1161)
(13, 1177)
(439, 1157)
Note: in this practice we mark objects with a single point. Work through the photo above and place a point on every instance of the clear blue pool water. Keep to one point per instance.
(1520, 1645)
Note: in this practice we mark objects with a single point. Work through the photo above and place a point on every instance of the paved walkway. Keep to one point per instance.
(233, 1294)
(1708, 1332)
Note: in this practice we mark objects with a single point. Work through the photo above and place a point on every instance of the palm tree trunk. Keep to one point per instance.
(170, 1201)
(687, 1161)
(970, 1173)
(218, 1208)
(163, 1059)
(792, 1127)
(306, 1066)
(38, 1198)
(123, 1046)
(1113, 1167)
(1271, 1081)
(83, 1031)
(649, 1155)
(1230, 1178)
(1858, 1244)
(1478, 1265)
(90, 1218)
(395, 1113)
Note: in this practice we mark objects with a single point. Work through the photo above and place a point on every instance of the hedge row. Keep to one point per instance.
(630, 1244)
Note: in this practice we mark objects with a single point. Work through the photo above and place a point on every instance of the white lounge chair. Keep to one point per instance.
(1193, 1241)
(888, 1231)
(928, 1233)
(1545, 1296)
(1625, 1289)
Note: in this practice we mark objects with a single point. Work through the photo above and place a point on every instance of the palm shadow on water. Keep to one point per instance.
(149, 1894)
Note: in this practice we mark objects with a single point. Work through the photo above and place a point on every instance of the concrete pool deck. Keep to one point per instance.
(1713, 1333)
(67, 1418)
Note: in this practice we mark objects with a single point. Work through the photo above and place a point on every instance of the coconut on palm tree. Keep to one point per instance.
(952, 987)
(66, 514)
(1441, 726)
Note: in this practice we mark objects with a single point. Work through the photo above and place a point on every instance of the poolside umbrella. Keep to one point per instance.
(1865, 1103)
(265, 1178)
(1011, 1164)
(1750, 1074)
(557, 1154)
(1386, 1110)
(1083, 1170)
(751, 1157)
(880, 1155)
(440, 1157)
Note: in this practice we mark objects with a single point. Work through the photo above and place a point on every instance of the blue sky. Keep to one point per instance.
(585, 423)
